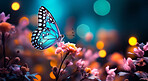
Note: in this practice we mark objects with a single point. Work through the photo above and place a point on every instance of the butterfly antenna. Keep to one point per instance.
(73, 33)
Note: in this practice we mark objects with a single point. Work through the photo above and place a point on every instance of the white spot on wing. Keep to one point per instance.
(43, 24)
(33, 34)
(40, 20)
(50, 19)
(42, 7)
(40, 31)
(39, 28)
(33, 38)
(40, 24)
(37, 37)
(44, 14)
(40, 13)
(39, 16)
(44, 21)
(35, 31)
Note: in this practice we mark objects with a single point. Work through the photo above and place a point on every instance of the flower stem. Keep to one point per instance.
(61, 66)
(3, 43)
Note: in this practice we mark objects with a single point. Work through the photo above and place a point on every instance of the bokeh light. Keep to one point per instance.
(116, 57)
(49, 51)
(15, 6)
(102, 7)
(89, 36)
(130, 49)
(132, 41)
(94, 65)
(70, 34)
(82, 30)
(102, 35)
(34, 20)
(100, 45)
(102, 53)
(29, 34)
(24, 21)
(38, 78)
(38, 68)
(52, 75)
(16, 41)
(53, 63)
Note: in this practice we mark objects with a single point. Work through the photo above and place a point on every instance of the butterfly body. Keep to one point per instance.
(47, 34)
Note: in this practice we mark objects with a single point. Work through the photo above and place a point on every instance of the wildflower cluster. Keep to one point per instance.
(10, 69)
(5, 27)
(15, 71)
(71, 52)
(136, 67)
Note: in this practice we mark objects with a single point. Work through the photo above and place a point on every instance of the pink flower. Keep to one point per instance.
(110, 78)
(110, 71)
(138, 52)
(68, 47)
(145, 47)
(95, 72)
(78, 51)
(68, 63)
(89, 54)
(58, 50)
(128, 64)
(4, 18)
(62, 45)
(62, 72)
(80, 63)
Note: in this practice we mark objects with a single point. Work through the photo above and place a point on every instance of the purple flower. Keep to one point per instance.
(138, 52)
(145, 47)
(128, 64)
(4, 18)
(111, 74)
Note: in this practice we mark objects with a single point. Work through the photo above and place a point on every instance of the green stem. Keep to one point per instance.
(3, 43)
(61, 66)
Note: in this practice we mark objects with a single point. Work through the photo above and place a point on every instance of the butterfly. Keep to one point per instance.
(47, 34)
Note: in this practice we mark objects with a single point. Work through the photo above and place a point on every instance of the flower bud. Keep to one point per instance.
(17, 59)
(87, 70)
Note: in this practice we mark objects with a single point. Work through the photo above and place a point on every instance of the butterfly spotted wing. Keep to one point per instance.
(47, 34)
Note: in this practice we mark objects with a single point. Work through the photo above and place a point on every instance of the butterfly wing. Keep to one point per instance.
(47, 34)
(45, 19)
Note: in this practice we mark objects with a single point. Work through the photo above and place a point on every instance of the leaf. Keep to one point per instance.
(141, 74)
(123, 73)
(141, 45)
(146, 59)
(30, 75)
